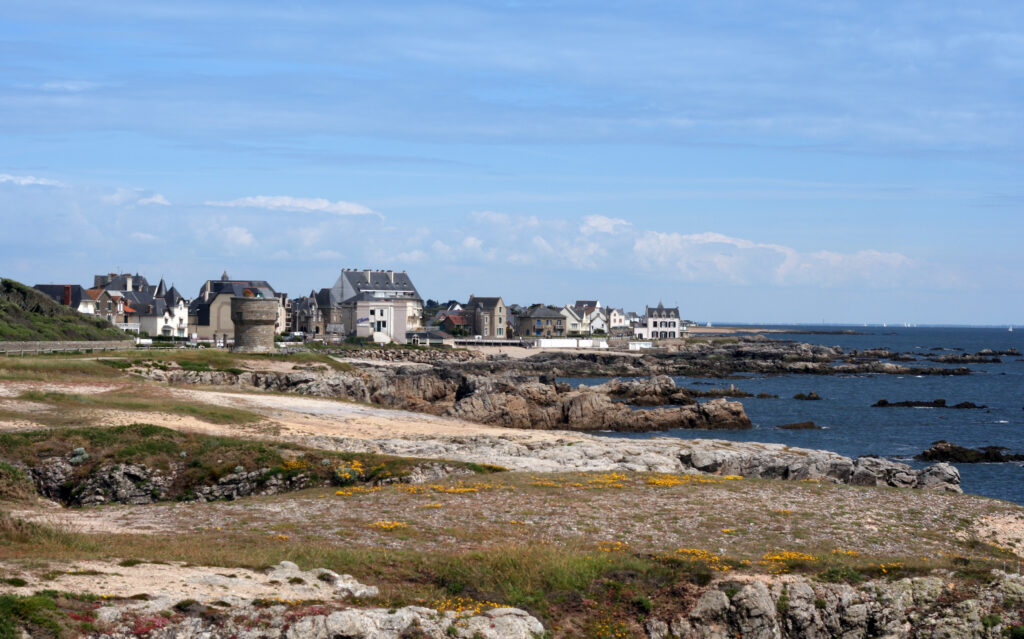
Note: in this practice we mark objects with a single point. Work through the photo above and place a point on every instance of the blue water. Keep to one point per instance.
(853, 428)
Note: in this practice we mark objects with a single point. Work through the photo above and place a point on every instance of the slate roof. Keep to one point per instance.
(662, 312)
(173, 297)
(352, 284)
(543, 312)
(117, 282)
(200, 306)
(484, 303)
(56, 292)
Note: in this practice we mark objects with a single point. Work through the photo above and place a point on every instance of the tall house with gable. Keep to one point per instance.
(378, 305)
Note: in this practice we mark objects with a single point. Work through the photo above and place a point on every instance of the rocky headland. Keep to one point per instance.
(943, 451)
(935, 403)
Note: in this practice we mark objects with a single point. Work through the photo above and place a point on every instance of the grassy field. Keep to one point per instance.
(584, 552)
(28, 315)
(84, 367)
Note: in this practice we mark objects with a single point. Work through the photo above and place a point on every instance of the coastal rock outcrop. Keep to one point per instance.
(935, 403)
(799, 608)
(521, 403)
(949, 452)
(584, 453)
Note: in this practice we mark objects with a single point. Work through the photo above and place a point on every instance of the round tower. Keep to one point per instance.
(254, 319)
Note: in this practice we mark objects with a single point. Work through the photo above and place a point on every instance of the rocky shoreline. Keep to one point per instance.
(587, 453)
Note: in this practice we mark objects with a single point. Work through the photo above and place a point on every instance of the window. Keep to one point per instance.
(501, 332)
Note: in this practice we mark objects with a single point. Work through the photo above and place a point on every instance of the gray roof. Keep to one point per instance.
(373, 285)
(486, 303)
(543, 312)
(56, 292)
(173, 296)
(200, 306)
(662, 311)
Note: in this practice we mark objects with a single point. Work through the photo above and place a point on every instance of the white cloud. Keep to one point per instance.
(139, 236)
(28, 180)
(156, 198)
(472, 243)
(715, 257)
(504, 219)
(237, 236)
(327, 254)
(122, 196)
(296, 204)
(542, 245)
(601, 224)
(412, 256)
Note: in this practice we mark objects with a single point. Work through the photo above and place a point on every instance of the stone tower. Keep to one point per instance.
(254, 319)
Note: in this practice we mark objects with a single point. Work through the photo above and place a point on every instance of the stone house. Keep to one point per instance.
(542, 321)
(489, 316)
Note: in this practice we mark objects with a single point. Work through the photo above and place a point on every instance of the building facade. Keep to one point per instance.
(542, 321)
(660, 323)
(378, 305)
(489, 316)
(209, 314)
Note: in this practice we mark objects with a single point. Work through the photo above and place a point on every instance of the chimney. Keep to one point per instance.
(391, 276)
(367, 274)
(128, 283)
(67, 295)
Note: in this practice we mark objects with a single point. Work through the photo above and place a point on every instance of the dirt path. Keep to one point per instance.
(314, 416)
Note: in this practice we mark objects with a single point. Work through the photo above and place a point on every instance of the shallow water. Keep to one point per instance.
(852, 427)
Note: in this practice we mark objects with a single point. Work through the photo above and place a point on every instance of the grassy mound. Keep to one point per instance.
(28, 315)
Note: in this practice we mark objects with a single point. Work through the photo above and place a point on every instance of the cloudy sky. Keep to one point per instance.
(748, 161)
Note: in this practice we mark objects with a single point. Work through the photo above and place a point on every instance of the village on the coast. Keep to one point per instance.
(363, 305)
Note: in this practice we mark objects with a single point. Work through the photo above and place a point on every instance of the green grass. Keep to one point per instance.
(28, 315)
(38, 613)
(52, 369)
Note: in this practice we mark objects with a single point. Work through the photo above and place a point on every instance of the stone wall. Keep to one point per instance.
(27, 348)
(254, 319)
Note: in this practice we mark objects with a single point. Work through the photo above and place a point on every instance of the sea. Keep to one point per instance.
(852, 427)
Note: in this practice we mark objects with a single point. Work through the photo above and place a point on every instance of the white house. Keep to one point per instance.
(660, 323)
(617, 318)
(598, 321)
(166, 316)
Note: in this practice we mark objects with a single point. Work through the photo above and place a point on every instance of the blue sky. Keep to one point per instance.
(777, 162)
